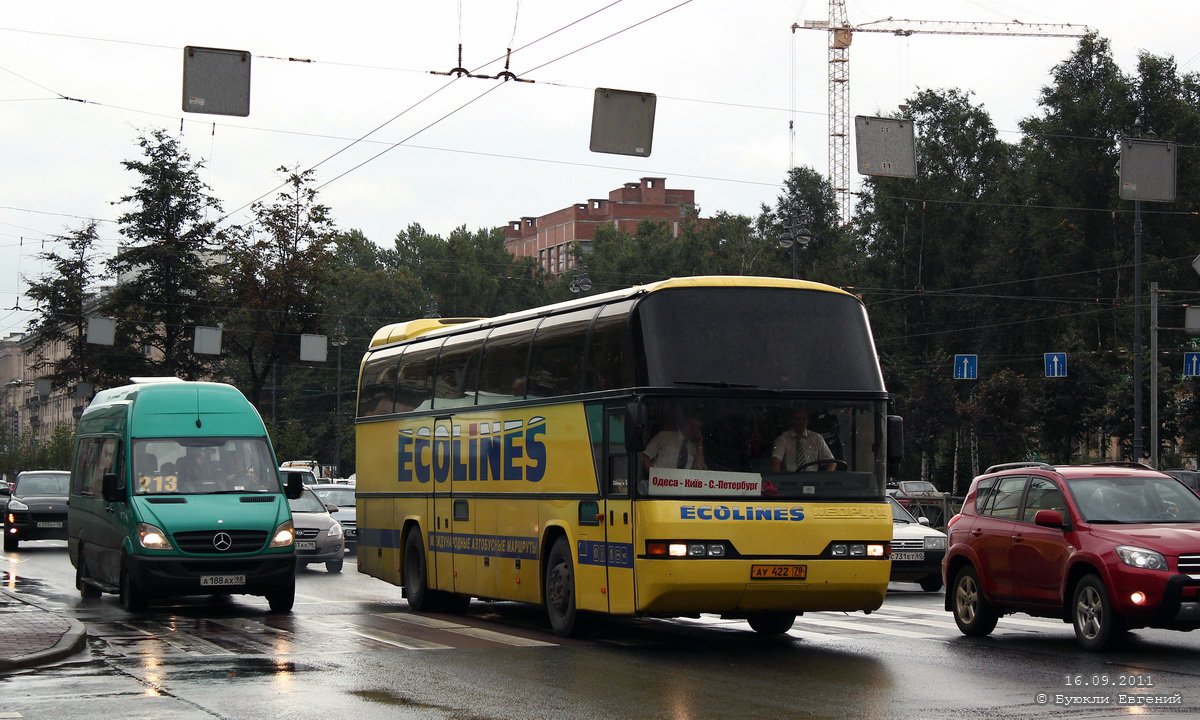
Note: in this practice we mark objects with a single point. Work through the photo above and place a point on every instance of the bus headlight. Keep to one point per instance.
(859, 550)
(689, 549)
(284, 535)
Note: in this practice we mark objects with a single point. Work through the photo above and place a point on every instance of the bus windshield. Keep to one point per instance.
(802, 340)
(203, 465)
(779, 448)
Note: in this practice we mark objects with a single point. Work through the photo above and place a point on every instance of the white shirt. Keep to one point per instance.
(663, 450)
(812, 443)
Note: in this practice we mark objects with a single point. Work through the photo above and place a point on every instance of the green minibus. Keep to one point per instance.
(175, 491)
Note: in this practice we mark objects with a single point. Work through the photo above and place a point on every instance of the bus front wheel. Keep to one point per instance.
(416, 587)
(771, 623)
(565, 618)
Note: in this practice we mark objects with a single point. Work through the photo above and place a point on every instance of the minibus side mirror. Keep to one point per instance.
(295, 486)
(109, 488)
(637, 419)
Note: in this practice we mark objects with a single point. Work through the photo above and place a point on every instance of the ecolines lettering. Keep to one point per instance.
(737, 512)
(490, 451)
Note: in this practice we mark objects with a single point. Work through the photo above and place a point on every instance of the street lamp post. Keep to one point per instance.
(338, 340)
(795, 237)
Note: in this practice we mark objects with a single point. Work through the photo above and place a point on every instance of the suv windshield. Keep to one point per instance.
(203, 465)
(29, 485)
(1135, 500)
(307, 503)
(337, 496)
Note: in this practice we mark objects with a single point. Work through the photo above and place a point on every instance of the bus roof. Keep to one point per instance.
(398, 332)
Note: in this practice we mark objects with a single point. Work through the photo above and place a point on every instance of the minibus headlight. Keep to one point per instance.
(284, 535)
(152, 538)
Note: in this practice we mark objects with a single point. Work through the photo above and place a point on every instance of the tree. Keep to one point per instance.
(166, 269)
(277, 277)
(64, 296)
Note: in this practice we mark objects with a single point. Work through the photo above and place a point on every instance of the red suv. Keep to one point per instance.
(1108, 548)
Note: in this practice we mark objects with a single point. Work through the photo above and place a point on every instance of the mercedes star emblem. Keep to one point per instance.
(222, 541)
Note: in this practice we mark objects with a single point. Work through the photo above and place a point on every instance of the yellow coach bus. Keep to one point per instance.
(696, 445)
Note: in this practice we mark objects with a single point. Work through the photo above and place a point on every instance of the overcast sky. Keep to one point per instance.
(728, 76)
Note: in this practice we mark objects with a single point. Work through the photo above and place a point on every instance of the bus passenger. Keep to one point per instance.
(677, 449)
(800, 449)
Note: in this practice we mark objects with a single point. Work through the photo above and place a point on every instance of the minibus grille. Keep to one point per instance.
(220, 541)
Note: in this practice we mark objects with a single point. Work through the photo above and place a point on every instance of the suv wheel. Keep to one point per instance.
(973, 614)
(1097, 627)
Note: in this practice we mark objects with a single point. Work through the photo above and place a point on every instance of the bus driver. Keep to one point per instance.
(800, 449)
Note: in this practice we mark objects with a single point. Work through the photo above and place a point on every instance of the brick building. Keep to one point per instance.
(550, 237)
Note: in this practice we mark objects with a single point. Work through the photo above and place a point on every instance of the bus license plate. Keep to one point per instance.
(778, 572)
(221, 580)
(908, 556)
(50, 524)
(306, 544)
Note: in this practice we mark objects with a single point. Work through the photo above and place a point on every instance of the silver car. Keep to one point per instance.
(319, 538)
(347, 511)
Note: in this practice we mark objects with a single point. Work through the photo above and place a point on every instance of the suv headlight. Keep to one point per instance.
(1141, 557)
(284, 535)
(335, 530)
(15, 504)
(935, 542)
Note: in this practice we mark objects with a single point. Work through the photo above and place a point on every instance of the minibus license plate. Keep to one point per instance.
(306, 544)
(908, 556)
(220, 580)
(49, 524)
(778, 572)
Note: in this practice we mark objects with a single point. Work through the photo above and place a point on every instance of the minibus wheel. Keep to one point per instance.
(87, 591)
(281, 601)
(132, 597)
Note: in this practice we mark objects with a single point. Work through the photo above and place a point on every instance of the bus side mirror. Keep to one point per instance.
(109, 489)
(895, 439)
(295, 486)
(637, 419)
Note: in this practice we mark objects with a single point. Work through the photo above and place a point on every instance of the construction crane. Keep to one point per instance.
(841, 32)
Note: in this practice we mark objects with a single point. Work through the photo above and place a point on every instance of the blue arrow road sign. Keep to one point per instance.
(1191, 364)
(966, 367)
(1056, 364)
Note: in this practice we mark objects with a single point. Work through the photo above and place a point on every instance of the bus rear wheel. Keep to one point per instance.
(565, 617)
(771, 623)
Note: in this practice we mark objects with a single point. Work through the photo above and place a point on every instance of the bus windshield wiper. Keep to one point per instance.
(714, 384)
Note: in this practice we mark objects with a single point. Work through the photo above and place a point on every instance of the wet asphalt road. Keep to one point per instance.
(352, 649)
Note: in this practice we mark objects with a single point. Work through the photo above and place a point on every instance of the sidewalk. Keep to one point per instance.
(32, 635)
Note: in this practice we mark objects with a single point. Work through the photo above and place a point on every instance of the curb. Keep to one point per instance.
(69, 643)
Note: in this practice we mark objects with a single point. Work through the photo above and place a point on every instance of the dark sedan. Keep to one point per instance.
(37, 507)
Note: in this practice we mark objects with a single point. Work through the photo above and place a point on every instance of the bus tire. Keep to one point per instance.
(561, 605)
(132, 598)
(282, 600)
(771, 623)
(416, 584)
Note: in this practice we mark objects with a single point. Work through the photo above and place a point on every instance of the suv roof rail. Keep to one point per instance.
(1012, 465)
(1122, 463)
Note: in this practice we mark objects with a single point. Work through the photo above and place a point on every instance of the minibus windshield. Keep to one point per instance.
(203, 466)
